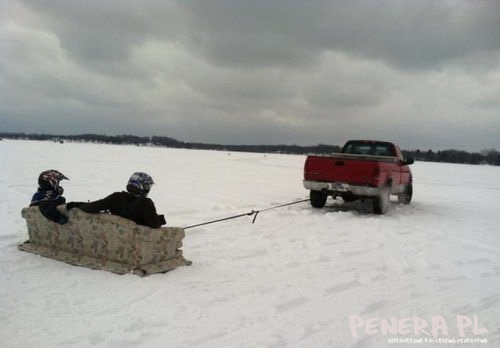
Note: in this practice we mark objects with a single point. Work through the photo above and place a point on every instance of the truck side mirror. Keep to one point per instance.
(408, 161)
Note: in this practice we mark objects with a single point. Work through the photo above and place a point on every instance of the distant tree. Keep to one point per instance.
(476, 158)
(430, 156)
(490, 156)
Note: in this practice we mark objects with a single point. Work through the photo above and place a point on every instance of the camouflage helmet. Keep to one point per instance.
(140, 183)
(49, 180)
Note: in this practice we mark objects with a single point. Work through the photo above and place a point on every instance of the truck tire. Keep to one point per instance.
(382, 202)
(318, 198)
(405, 197)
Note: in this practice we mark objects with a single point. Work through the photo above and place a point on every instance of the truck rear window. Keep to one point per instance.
(369, 148)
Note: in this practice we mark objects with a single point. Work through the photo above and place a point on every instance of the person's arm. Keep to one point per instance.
(151, 218)
(71, 205)
(49, 209)
(35, 200)
(96, 206)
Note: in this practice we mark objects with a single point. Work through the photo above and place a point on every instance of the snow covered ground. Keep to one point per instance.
(292, 279)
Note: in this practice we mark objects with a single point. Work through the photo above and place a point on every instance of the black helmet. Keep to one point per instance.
(139, 184)
(49, 180)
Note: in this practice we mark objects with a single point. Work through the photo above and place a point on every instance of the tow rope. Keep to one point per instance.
(250, 213)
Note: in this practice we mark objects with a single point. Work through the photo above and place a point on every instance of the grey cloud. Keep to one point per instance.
(234, 71)
(408, 34)
(100, 33)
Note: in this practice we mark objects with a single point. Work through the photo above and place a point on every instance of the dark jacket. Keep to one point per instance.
(47, 202)
(139, 209)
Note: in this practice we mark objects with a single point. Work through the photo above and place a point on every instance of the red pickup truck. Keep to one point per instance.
(363, 169)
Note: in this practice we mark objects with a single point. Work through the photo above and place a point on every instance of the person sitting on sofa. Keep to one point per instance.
(49, 195)
(132, 204)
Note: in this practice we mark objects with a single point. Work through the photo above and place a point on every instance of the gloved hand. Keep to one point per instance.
(162, 219)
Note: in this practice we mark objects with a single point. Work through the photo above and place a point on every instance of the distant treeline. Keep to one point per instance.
(490, 156)
(173, 143)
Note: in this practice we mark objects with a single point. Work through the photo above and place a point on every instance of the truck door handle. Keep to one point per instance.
(339, 163)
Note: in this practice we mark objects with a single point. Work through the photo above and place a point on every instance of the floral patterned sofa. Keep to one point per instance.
(104, 241)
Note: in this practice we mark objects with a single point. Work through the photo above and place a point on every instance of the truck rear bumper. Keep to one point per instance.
(339, 188)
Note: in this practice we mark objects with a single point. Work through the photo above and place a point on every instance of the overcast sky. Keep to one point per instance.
(425, 74)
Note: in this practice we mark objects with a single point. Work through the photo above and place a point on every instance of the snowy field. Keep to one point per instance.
(292, 279)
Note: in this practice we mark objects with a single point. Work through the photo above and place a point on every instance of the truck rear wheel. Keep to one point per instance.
(318, 198)
(382, 202)
(405, 197)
